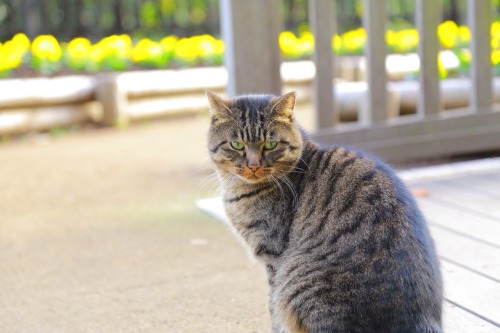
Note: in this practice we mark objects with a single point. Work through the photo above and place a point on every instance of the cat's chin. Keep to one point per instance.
(254, 179)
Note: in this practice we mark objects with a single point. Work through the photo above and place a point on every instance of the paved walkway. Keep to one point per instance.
(99, 233)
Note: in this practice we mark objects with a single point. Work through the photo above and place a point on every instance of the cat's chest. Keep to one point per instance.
(243, 212)
(269, 207)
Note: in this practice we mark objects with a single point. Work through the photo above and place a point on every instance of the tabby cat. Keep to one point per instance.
(345, 246)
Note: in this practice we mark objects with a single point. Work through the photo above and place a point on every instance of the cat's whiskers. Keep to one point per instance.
(212, 183)
(298, 170)
(290, 185)
(304, 161)
(282, 192)
(209, 181)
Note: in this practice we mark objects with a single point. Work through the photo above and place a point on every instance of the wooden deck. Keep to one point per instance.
(462, 204)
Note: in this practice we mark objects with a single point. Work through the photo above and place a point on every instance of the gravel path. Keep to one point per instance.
(99, 233)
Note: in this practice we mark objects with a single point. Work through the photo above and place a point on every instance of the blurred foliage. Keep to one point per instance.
(50, 36)
(96, 19)
(47, 55)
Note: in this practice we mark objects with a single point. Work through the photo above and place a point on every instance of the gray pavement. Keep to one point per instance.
(99, 233)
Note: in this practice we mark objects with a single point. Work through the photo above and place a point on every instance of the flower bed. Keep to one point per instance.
(45, 55)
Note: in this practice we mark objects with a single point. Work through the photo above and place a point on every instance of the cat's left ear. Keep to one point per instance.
(283, 106)
(217, 103)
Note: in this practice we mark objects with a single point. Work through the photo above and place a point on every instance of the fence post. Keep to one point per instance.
(427, 18)
(479, 21)
(374, 19)
(113, 99)
(250, 30)
(321, 18)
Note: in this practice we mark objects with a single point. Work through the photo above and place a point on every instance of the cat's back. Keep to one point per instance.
(359, 242)
(350, 198)
(345, 181)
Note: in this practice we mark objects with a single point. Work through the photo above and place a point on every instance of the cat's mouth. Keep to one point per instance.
(254, 176)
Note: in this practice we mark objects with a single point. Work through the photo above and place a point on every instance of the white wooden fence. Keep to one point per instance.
(117, 99)
(428, 133)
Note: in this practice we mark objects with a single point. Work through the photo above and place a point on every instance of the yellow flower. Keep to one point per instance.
(495, 43)
(168, 43)
(123, 45)
(306, 41)
(354, 40)
(464, 33)
(186, 51)
(495, 35)
(116, 45)
(336, 43)
(22, 41)
(392, 39)
(289, 44)
(219, 48)
(495, 29)
(11, 56)
(146, 49)
(495, 57)
(96, 53)
(79, 48)
(46, 47)
(206, 45)
(408, 40)
(12, 52)
(447, 33)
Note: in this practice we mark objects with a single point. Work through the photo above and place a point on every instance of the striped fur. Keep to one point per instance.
(345, 246)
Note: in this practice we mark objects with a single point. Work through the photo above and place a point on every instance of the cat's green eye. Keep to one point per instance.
(270, 145)
(237, 145)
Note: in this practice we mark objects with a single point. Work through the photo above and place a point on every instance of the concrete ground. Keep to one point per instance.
(99, 233)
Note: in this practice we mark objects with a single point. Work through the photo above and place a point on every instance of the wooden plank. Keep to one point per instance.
(321, 18)
(479, 19)
(464, 198)
(139, 84)
(456, 170)
(407, 137)
(488, 183)
(153, 107)
(45, 91)
(458, 320)
(250, 30)
(23, 120)
(461, 222)
(404, 128)
(472, 292)
(374, 19)
(427, 18)
(473, 255)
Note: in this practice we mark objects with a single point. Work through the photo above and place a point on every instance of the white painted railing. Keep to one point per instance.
(107, 99)
(429, 133)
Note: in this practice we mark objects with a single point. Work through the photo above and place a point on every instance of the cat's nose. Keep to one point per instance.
(253, 160)
(254, 167)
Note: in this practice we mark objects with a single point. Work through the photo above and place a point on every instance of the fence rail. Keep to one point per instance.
(110, 99)
(429, 133)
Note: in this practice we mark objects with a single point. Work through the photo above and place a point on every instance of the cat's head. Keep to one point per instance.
(254, 137)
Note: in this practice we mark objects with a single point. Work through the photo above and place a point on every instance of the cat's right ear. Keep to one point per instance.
(218, 105)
